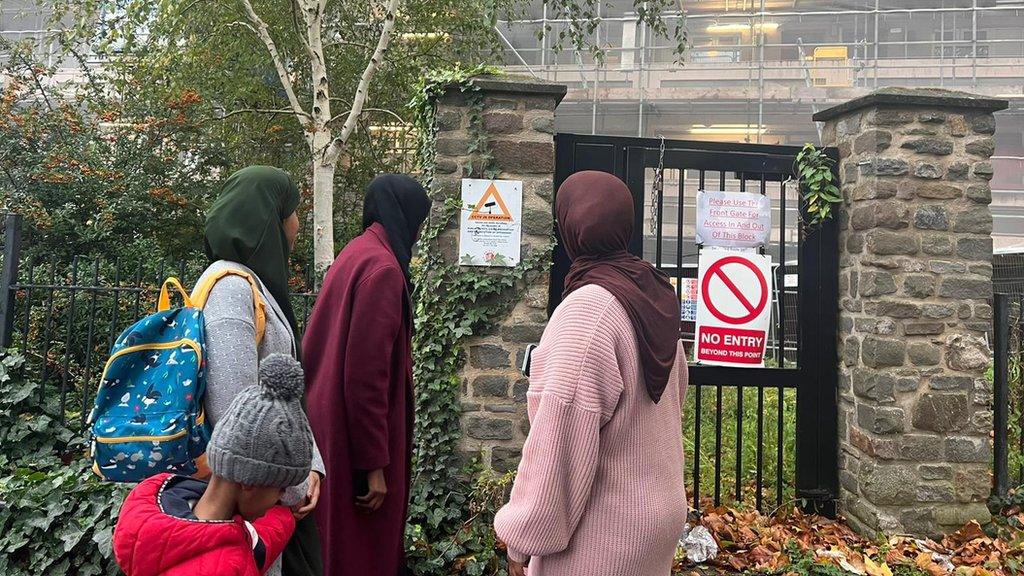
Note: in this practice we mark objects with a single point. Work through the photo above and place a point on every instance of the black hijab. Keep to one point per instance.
(246, 225)
(400, 204)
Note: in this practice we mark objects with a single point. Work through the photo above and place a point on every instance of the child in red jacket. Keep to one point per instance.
(233, 525)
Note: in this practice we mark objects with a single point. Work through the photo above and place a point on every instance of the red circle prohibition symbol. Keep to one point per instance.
(753, 310)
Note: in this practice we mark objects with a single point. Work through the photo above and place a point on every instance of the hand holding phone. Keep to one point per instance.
(525, 368)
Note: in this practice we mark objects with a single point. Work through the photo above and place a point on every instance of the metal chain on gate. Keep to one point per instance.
(658, 186)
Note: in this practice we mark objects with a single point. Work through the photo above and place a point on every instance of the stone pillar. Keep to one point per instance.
(915, 306)
(517, 122)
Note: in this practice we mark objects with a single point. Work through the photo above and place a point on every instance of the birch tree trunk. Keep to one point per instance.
(323, 205)
(324, 166)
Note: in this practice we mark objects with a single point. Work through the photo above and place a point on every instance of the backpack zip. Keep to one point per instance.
(132, 349)
(122, 439)
(158, 346)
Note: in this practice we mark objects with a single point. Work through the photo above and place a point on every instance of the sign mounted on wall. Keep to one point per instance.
(490, 228)
(733, 309)
(733, 219)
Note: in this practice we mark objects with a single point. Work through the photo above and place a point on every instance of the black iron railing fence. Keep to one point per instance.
(64, 314)
(1008, 388)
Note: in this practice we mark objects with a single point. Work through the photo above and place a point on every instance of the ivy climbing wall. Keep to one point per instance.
(499, 127)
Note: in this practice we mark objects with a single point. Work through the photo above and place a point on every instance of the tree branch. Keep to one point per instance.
(384, 110)
(334, 151)
(7, 172)
(288, 111)
(312, 15)
(282, 72)
(189, 8)
(296, 10)
(245, 25)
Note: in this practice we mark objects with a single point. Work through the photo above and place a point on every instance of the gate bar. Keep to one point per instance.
(9, 276)
(1000, 478)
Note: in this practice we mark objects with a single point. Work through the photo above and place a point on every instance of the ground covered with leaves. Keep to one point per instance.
(798, 544)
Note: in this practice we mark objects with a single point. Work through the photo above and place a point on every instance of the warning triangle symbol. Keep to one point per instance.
(491, 207)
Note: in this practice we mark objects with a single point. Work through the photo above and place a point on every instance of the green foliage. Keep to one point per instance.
(583, 18)
(817, 181)
(422, 104)
(731, 416)
(158, 48)
(452, 304)
(98, 175)
(1015, 390)
(56, 519)
(472, 548)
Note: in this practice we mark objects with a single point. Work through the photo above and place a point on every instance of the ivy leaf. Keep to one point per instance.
(104, 539)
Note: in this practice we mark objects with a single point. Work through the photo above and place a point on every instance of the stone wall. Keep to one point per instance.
(915, 306)
(518, 125)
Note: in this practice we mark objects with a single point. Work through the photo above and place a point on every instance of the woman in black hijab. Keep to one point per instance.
(400, 205)
(358, 361)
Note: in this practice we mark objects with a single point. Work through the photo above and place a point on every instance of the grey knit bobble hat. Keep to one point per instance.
(264, 438)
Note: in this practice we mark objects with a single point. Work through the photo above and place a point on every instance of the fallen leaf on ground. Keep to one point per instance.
(756, 544)
(874, 569)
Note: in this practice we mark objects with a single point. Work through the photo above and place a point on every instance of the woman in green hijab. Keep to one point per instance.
(250, 233)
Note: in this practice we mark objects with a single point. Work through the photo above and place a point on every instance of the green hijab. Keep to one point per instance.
(245, 225)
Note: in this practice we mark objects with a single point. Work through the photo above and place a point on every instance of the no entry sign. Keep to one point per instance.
(734, 309)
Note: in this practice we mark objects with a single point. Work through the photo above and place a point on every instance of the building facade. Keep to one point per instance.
(756, 71)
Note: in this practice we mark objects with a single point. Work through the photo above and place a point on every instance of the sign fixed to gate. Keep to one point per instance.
(490, 231)
(733, 219)
(687, 298)
(734, 308)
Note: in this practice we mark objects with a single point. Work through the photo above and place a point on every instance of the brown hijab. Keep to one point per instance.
(595, 219)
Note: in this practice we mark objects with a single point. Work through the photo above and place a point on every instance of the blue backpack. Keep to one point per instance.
(148, 416)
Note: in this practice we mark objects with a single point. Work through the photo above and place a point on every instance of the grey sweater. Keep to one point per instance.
(232, 357)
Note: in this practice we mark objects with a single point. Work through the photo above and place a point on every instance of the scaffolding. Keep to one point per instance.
(757, 70)
(760, 52)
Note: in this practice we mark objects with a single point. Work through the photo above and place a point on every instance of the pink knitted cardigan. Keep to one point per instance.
(600, 485)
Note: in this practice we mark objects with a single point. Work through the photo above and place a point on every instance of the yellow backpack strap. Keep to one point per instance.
(164, 301)
(202, 293)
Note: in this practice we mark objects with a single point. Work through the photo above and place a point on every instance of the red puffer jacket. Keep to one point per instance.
(157, 534)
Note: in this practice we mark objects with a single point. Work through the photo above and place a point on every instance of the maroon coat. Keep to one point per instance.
(357, 353)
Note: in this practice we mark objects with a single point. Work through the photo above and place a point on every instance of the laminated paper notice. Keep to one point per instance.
(490, 231)
(733, 219)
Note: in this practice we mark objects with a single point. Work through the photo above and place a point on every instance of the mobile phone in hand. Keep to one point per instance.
(361, 484)
(525, 368)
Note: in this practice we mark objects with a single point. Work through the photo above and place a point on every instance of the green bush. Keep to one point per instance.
(732, 415)
(96, 175)
(55, 517)
(472, 548)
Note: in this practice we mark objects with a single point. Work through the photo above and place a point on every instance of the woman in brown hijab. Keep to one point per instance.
(600, 486)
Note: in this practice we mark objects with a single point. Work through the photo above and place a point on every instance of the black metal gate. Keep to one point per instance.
(767, 434)
(1008, 392)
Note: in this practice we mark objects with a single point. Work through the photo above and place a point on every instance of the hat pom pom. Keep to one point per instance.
(281, 377)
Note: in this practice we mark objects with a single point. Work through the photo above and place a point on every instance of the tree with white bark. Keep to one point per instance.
(317, 62)
(326, 64)
(325, 146)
